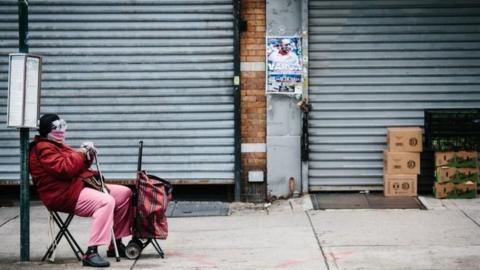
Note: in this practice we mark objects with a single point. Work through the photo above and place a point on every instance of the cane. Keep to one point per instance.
(105, 190)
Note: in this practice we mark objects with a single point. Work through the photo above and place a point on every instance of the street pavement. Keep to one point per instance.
(287, 234)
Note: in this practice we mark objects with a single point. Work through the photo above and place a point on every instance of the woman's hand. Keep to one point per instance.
(82, 150)
(90, 150)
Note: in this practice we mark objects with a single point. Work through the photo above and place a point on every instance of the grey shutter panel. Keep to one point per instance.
(377, 64)
(121, 71)
(9, 138)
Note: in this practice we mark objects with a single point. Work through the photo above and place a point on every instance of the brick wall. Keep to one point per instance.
(253, 100)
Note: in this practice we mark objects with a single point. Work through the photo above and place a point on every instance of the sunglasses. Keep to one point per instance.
(59, 124)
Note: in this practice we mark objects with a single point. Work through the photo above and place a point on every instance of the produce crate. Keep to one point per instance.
(447, 130)
(452, 129)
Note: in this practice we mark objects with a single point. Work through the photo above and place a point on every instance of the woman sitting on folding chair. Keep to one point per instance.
(58, 172)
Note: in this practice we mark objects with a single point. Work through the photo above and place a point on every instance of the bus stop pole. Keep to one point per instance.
(24, 137)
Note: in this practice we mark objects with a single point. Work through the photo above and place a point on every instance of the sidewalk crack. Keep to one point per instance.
(8, 220)
(469, 217)
(325, 260)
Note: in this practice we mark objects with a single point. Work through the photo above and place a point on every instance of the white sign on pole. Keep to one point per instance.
(24, 77)
(16, 78)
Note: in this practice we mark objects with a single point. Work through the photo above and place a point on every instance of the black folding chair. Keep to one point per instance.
(63, 226)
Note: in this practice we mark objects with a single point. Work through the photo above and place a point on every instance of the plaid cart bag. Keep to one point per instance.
(150, 203)
(153, 194)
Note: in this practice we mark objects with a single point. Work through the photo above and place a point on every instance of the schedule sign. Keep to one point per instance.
(24, 82)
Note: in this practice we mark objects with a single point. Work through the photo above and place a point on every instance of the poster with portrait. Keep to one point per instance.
(284, 65)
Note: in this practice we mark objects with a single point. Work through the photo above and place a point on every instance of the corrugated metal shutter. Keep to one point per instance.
(9, 138)
(375, 64)
(119, 71)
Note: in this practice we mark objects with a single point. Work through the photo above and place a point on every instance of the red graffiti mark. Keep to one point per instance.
(340, 255)
(173, 254)
(201, 260)
(289, 263)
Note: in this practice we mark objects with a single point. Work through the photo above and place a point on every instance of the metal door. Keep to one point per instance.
(378, 64)
(124, 71)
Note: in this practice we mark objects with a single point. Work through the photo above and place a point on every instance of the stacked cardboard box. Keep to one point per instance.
(456, 174)
(402, 161)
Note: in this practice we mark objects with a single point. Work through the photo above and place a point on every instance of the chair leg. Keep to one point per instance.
(73, 244)
(63, 225)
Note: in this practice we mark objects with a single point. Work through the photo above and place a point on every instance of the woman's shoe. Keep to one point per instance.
(94, 260)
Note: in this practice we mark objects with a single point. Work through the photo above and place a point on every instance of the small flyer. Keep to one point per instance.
(284, 65)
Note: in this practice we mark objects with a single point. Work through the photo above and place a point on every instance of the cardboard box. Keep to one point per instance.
(401, 162)
(461, 159)
(467, 190)
(456, 175)
(405, 139)
(395, 185)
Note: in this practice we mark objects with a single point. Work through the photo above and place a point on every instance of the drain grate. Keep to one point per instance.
(197, 209)
(323, 201)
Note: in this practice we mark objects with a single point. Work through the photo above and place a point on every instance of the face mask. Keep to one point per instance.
(59, 128)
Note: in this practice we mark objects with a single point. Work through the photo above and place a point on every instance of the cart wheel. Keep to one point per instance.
(133, 249)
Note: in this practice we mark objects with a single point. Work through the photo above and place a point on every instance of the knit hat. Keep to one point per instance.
(46, 123)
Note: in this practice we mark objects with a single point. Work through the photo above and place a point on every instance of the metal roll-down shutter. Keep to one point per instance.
(124, 71)
(378, 64)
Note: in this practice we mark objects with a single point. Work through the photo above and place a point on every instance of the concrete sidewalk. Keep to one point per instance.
(285, 235)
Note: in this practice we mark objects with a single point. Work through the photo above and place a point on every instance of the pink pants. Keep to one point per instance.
(107, 210)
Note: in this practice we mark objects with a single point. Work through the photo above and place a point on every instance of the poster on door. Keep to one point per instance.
(284, 65)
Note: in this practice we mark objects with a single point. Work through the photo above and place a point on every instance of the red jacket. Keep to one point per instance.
(57, 171)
